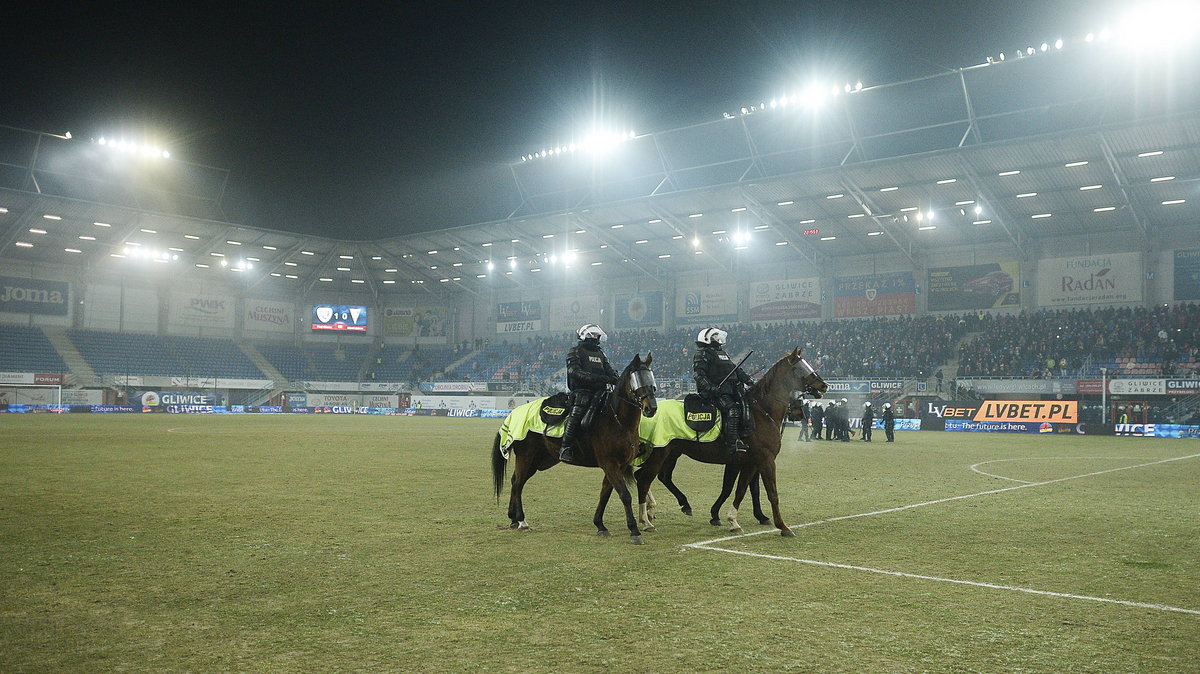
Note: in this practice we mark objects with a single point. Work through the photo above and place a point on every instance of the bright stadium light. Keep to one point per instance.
(1159, 26)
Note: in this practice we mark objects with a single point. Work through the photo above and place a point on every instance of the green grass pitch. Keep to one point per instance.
(339, 543)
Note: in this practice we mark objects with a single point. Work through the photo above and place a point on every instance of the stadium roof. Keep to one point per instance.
(1015, 153)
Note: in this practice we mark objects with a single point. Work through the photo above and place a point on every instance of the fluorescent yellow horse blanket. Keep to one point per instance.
(668, 424)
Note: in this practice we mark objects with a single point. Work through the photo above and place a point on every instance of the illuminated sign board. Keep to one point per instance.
(339, 317)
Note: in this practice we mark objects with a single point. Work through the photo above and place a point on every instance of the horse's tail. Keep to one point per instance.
(498, 463)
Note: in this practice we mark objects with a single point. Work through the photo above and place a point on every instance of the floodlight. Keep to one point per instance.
(1159, 25)
(490, 266)
(1058, 44)
(1162, 179)
(978, 209)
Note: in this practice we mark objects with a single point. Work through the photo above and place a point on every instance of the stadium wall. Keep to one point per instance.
(157, 299)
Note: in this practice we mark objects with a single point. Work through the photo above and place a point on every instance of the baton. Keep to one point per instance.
(735, 368)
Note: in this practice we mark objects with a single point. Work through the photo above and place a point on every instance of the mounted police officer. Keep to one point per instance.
(588, 375)
(720, 380)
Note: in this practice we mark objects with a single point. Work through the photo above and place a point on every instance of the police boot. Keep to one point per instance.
(569, 443)
(733, 442)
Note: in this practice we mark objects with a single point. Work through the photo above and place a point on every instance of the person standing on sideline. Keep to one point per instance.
(818, 415)
(868, 420)
(889, 422)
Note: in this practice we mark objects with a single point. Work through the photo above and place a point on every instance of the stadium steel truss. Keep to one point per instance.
(1009, 158)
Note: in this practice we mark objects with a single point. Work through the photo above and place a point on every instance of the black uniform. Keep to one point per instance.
(818, 416)
(806, 409)
(588, 373)
(868, 420)
(889, 424)
(712, 366)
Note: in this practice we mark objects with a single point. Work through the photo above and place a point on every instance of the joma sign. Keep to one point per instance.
(34, 296)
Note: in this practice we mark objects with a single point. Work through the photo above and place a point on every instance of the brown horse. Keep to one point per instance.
(768, 401)
(612, 440)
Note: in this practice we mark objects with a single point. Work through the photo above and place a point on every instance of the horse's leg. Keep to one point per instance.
(768, 477)
(616, 477)
(598, 519)
(640, 485)
(664, 476)
(756, 498)
(744, 477)
(523, 469)
(727, 478)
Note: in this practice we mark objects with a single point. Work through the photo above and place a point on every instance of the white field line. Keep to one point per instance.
(709, 544)
(1063, 595)
(975, 468)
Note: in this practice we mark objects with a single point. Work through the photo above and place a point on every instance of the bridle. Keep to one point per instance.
(641, 382)
(807, 376)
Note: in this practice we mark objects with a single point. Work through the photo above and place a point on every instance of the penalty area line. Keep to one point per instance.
(922, 504)
(938, 579)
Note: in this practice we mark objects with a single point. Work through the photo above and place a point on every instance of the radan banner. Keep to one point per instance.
(1096, 279)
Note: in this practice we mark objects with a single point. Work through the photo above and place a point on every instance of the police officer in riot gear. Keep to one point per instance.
(889, 422)
(818, 418)
(722, 381)
(868, 420)
(588, 375)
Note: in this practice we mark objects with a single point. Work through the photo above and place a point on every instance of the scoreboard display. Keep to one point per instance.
(339, 317)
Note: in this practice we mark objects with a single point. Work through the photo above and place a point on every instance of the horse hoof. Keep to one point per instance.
(716, 521)
(636, 540)
(524, 527)
(736, 530)
(787, 533)
(649, 527)
(603, 533)
(763, 520)
(687, 511)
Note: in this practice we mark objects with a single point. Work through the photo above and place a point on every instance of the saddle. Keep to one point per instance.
(699, 414)
(554, 409)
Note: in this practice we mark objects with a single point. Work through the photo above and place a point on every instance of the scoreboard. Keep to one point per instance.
(339, 317)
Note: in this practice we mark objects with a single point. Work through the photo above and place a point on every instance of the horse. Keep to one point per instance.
(768, 400)
(612, 437)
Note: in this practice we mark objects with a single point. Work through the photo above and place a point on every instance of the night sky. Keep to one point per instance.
(365, 122)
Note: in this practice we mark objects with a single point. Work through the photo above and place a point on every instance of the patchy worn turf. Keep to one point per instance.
(335, 543)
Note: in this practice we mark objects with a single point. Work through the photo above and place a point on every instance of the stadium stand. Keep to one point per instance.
(290, 360)
(1161, 341)
(210, 357)
(340, 362)
(126, 353)
(23, 349)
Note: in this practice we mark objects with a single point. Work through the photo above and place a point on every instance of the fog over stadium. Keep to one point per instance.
(377, 121)
(279, 284)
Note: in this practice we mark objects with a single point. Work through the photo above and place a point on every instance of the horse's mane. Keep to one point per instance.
(767, 382)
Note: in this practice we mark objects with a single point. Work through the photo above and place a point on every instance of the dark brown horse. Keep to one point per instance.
(768, 401)
(611, 443)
